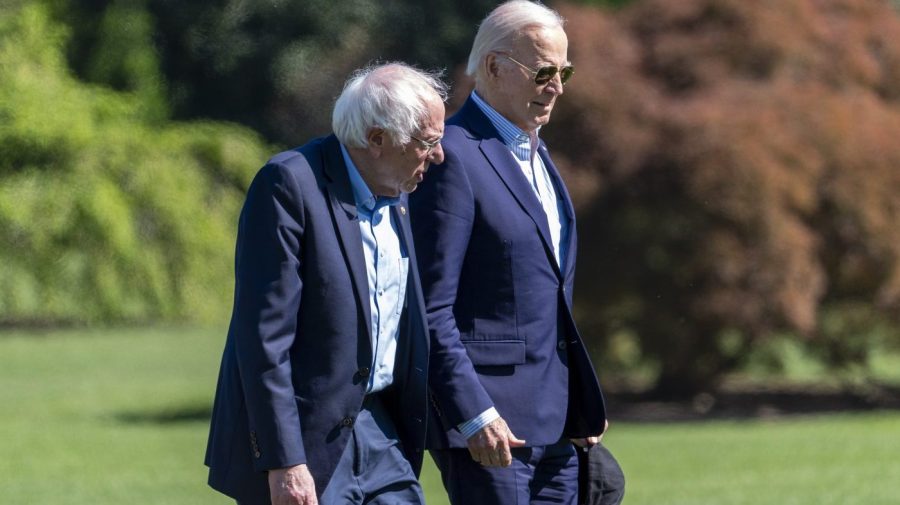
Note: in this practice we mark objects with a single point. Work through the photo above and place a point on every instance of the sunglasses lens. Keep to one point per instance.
(544, 74)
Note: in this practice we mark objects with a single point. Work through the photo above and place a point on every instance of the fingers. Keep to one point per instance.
(491, 446)
(292, 486)
(503, 456)
(498, 455)
(586, 443)
(515, 442)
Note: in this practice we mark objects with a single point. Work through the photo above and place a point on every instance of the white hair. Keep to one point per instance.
(504, 24)
(392, 96)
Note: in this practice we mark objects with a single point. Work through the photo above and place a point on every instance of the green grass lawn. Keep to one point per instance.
(120, 416)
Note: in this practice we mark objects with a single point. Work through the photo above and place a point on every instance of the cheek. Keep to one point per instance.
(413, 165)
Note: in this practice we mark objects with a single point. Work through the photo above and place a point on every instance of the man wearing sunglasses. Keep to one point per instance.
(514, 393)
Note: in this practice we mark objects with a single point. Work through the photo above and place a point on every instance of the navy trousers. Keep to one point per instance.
(537, 475)
(372, 470)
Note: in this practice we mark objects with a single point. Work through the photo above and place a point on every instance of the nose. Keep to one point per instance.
(555, 86)
(436, 156)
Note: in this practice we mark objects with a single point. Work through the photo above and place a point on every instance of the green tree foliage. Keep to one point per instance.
(112, 45)
(275, 66)
(736, 165)
(106, 212)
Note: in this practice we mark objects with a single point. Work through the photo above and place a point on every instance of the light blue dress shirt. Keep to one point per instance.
(523, 147)
(387, 265)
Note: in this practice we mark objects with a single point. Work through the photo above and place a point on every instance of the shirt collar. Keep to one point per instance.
(366, 201)
(516, 139)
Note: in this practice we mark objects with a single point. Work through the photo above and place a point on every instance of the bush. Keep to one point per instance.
(740, 176)
(108, 213)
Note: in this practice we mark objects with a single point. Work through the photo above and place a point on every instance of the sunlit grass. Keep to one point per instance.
(824, 460)
(121, 416)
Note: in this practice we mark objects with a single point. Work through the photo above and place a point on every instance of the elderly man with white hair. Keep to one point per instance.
(322, 389)
(514, 392)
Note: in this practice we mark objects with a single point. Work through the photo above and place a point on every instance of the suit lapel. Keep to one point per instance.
(413, 321)
(503, 162)
(346, 223)
(562, 192)
(400, 217)
(413, 286)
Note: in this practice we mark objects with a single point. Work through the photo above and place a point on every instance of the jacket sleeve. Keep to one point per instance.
(268, 285)
(442, 214)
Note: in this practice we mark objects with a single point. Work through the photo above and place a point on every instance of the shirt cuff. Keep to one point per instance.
(472, 426)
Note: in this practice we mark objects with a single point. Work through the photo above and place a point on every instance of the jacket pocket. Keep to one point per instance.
(496, 352)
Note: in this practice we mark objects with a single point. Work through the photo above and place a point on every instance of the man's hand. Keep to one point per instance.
(586, 443)
(490, 446)
(292, 486)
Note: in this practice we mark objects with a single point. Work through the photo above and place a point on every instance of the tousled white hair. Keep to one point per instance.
(504, 24)
(392, 96)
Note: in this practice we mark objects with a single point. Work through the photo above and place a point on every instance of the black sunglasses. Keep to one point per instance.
(543, 75)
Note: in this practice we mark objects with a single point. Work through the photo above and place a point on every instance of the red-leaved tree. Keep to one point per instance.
(736, 168)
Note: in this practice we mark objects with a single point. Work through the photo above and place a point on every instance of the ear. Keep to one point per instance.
(375, 141)
(491, 66)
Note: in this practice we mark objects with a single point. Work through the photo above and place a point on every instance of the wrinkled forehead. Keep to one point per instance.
(542, 44)
(433, 123)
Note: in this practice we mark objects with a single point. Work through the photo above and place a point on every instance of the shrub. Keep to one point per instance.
(736, 170)
(108, 213)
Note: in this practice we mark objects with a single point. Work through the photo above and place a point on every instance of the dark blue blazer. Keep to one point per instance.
(499, 308)
(298, 352)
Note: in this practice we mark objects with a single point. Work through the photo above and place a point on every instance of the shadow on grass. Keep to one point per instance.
(754, 402)
(168, 415)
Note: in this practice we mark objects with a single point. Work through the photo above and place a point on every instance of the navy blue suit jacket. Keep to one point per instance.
(499, 308)
(297, 357)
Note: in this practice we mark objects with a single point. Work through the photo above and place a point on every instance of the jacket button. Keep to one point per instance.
(561, 345)
(363, 372)
(347, 421)
(257, 454)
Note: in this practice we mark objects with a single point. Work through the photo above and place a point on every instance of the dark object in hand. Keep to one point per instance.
(600, 478)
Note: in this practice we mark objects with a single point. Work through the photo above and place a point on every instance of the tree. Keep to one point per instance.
(112, 212)
(108, 213)
(736, 172)
(276, 67)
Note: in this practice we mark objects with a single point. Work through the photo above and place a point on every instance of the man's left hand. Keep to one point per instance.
(588, 442)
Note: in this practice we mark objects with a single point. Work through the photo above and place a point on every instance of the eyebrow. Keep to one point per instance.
(550, 63)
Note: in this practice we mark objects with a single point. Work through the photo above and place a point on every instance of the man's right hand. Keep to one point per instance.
(292, 486)
(490, 446)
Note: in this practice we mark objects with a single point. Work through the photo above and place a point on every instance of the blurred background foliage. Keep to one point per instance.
(741, 178)
(734, 164)
(109, 211)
